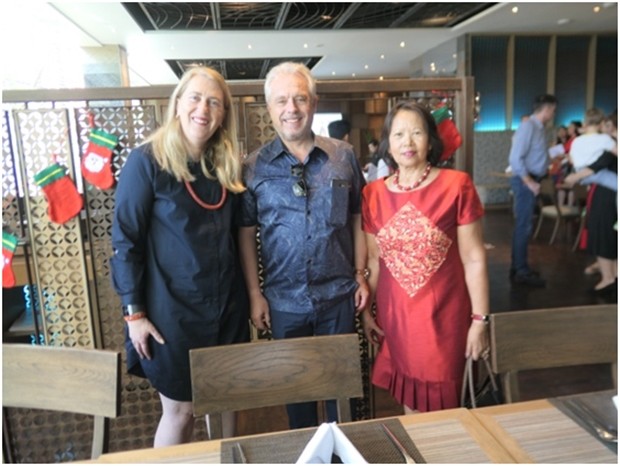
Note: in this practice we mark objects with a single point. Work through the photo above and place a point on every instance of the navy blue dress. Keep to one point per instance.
(180, 261)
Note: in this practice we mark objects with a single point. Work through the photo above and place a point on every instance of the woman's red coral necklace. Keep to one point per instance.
(203, 204)
(427, 170)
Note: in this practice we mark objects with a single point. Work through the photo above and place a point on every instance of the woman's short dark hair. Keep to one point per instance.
(434, 141)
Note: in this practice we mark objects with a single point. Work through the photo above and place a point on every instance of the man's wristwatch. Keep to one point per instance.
(364, 273)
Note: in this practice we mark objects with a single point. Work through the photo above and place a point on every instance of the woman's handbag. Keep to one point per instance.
(487, 393)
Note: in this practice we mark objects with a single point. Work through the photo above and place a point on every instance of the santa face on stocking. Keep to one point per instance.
(97, 159)
(94, 162)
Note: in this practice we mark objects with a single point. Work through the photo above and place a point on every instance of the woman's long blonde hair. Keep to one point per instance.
(171, 149)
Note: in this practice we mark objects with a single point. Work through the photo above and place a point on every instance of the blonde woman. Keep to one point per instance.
(175, 263)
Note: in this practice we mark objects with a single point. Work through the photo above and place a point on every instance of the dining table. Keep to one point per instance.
(538, 431)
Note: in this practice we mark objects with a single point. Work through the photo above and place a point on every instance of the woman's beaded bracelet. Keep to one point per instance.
(135, 316)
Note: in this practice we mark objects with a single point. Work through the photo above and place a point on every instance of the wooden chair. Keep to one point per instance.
(549, 208)
(76, 380)
(547, 338)
(273, 373)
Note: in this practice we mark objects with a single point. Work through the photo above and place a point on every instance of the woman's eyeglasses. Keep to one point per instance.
(299, 187)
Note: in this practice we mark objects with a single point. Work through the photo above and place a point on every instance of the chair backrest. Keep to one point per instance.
(276, 372)
(547, 338)
(548, 193)
(77, 380)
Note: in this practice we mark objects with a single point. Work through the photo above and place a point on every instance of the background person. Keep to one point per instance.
(602, 217)
(304, 191)
(528, 162)
(427, 263)
(339, 129)
(175, 264)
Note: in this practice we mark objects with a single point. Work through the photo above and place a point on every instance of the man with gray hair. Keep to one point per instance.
(304, 192)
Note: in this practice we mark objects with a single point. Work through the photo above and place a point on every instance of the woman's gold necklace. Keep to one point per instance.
(427, 170)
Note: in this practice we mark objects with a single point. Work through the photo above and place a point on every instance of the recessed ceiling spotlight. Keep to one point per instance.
(380, 78)
(597, 9)
(365, 67)
(563, 21)
(515, 9)
(250, 46)
(402, 44)
(454, 55)
(326, 17)
(352, 75)
(382, 57)
(305, 46)
(333, 73)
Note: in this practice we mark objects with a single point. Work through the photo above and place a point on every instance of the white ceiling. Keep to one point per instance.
(344, 52)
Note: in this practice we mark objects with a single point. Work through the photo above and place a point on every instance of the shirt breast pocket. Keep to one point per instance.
(339, 214)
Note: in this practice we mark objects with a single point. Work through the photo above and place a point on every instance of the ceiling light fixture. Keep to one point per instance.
(597, 9)
(333, 73)
(250, 46)
(353, 75)
(305, 46)
(365, 67)
(382, 57)
(326, 17)
(515, 9)
(402, 44)
(563, 21)
(380, 78)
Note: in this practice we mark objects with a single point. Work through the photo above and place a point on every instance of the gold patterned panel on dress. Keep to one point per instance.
(412, 248)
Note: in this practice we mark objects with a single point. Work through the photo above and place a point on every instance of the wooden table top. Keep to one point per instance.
(526, 432)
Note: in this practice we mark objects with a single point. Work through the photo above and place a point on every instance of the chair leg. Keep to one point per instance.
(555, 230)
(510, 386)
(582, 223)
(538, 225)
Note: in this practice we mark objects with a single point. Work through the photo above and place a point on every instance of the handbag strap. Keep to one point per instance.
(490, 372)
(468, 380)
(468, 383)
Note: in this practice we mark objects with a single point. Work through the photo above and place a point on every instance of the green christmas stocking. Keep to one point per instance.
(64, 201)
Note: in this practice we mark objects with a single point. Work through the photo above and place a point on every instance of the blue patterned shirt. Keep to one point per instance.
(306, 241)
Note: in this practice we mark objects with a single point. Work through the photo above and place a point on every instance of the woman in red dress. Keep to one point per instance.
(427, 262)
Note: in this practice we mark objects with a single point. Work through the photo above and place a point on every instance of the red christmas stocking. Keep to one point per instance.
(64, 201)
(448, 132)
(97, 160)
(9, 243)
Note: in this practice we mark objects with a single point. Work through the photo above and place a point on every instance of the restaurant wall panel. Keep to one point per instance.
(489, 55)
(530, 74)
(606, 87)
(571, 78)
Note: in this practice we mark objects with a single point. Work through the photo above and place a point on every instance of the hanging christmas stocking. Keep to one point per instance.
(64, 201)
(9, 243)
(97, 160)
(448, 132)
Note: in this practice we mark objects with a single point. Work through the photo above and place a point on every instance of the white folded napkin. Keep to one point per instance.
(328, 440)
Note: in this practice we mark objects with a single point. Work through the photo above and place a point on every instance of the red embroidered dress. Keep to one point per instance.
(423, 304)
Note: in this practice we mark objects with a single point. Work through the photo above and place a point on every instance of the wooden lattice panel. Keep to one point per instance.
(57, 253)
(258, 127)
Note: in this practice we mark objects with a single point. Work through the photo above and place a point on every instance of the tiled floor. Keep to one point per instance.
(566, 286)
